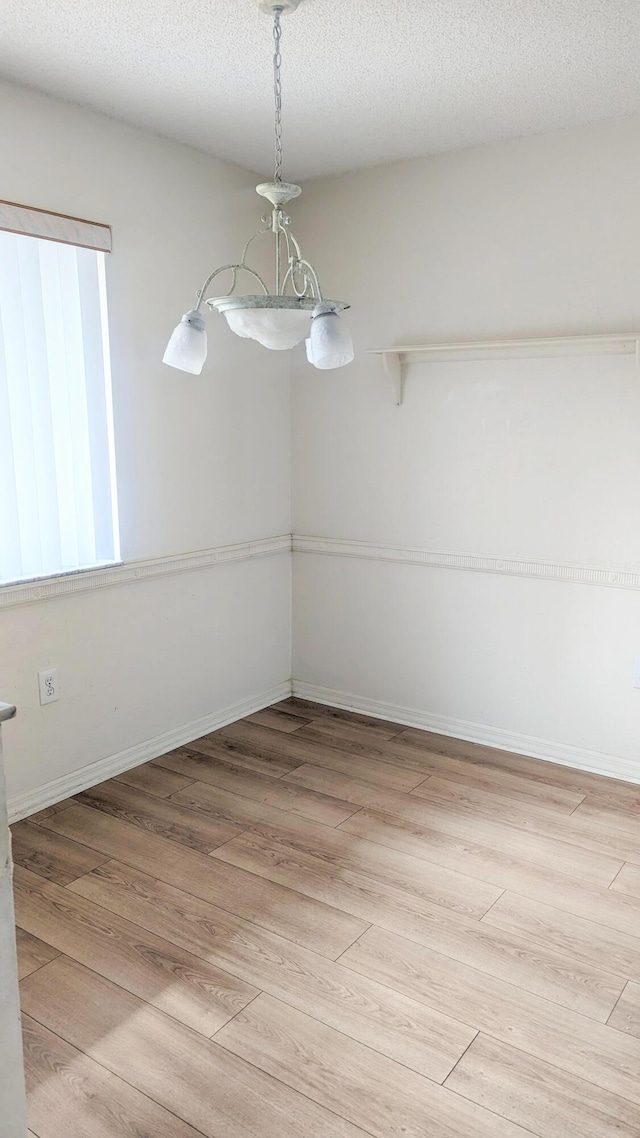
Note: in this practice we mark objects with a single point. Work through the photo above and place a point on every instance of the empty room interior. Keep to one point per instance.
(320, 569)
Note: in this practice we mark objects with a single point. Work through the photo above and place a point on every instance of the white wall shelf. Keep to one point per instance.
(396, 359)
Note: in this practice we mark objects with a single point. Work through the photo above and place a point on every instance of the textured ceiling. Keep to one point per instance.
(365, 81)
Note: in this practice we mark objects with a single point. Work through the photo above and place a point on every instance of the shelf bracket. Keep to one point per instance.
(395, 368)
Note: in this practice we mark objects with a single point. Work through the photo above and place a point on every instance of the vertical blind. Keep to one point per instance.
(58, 510)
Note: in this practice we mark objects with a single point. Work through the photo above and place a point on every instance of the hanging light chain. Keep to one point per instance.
(277, 91)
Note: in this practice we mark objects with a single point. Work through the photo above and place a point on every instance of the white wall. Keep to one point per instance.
(202, 461)
(528, 460)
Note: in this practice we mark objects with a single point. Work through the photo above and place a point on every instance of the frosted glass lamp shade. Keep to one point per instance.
(330, 344)
(277, 328)
(187, 348)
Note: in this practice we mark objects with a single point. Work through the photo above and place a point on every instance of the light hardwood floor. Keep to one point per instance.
(313, 924)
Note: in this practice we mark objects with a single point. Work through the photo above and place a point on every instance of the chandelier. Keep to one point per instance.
(296, 310)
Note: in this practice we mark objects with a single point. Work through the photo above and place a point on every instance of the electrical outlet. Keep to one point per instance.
(48, 686)
(636, 672)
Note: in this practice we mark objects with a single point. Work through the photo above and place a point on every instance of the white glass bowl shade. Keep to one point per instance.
(275, 321)
(277, 328)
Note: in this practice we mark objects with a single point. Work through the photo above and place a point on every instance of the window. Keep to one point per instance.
(58, 506)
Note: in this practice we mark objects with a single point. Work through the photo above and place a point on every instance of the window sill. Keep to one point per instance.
(46, 578)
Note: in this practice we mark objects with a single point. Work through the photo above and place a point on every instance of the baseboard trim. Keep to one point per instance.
(22, 805)
(612, 766)
(595, 762)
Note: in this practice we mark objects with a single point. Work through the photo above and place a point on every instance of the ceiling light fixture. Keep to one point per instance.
(296, 310)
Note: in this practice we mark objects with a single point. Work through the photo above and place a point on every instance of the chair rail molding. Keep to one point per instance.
(43, 589)
(395, 359)
(474, 562)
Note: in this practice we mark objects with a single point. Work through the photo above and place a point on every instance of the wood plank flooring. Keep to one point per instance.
(316, 924)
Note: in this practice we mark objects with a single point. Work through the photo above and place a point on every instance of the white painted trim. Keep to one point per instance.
(22, 805)
(46, 588)
(612, 766)
(79, 582)
(476, 562)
